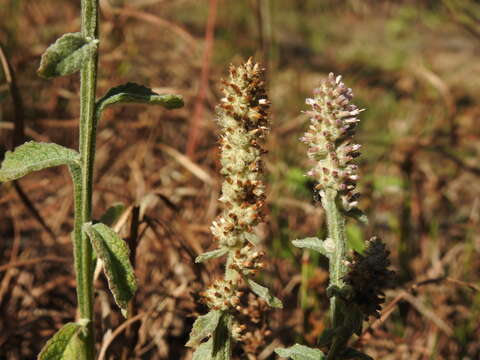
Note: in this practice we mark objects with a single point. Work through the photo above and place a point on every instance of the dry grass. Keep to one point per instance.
(413, 66)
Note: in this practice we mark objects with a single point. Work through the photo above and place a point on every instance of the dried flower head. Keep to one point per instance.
(330, 139)
(222, 295)
(369, 276)
(242, 116)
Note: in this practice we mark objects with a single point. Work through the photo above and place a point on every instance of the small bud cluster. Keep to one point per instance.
(222, 295)
(369, 277)
(243, 118)
(330, 139)
(247, 260)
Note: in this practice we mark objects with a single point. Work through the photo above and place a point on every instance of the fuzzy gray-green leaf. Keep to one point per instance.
(211, 255)
(66, 56)
(34, 156)
(134, 93)
(265, 294)
(222, 339)
(311, 243)
(64, 344)
(203, 327)
(115, 255)
(204, 351)
(301, 352)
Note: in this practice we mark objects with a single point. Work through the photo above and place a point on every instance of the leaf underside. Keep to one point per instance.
(66, 56)
(301, 352)
(34, 156)
(115, 255)
(203, 327)
(265, 294)
(211, 255)
(311, 243)
(63, 345)
(134, 93)
(204, 351)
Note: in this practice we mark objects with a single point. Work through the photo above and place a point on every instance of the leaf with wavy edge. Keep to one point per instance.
(66, 56)
(34, 156)
(134, 93)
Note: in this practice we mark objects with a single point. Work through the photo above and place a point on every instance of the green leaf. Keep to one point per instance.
(203, 327)
(114, 253)
(134, 93)
(211, 255)
(34, 156)
(301, 352)
(355, 238)
(354, 354)
(112, 214)
(64, 345)
(204, 351)
(222, 340)
(264, 293)
(311, 243)
(66, 56)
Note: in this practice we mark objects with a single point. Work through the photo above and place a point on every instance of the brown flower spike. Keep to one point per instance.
(369, 277)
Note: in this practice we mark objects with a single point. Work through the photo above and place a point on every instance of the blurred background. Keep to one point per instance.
(413, 64)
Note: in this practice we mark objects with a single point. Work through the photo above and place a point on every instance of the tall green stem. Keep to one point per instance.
(83, 193)
(337, 267)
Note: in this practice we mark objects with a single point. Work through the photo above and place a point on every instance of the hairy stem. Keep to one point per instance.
(337, 267)
(83, 191)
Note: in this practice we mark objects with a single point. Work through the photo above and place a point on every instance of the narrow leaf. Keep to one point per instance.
(311, 243)
(301, 352)
(34, 156)
(354, 354)
(63, 344)
(66, 56)
(134, 93)
(203, 327)
(204, 351)
(211, 255)
(264, 293)
(114, 253)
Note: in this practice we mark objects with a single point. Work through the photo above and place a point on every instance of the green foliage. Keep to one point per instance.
(203, 327)
(134, 93)
(204, 351)
(211, 255)
(112, 214)
(301, 352)
(311, 243)
(64, 345)
(114, 253)
(34, 156)
(66, 56)
(265, 294)
(222, 341)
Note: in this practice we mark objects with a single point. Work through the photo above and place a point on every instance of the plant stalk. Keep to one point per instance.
(84, 266)
(337, 267)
